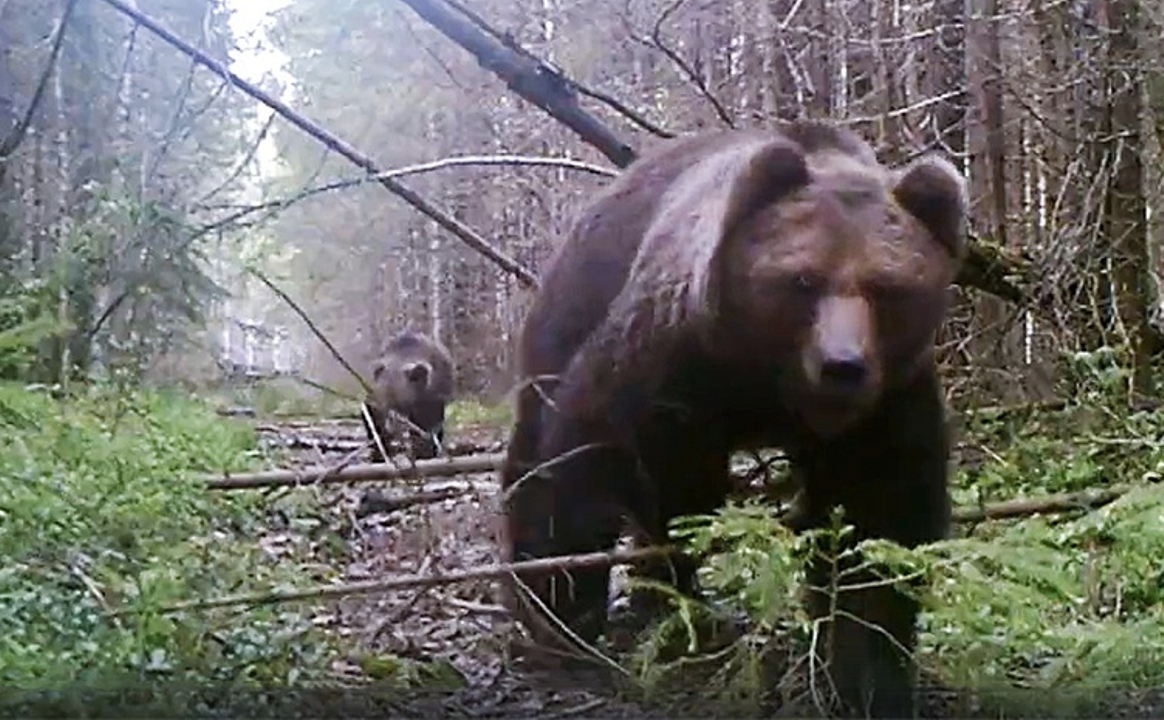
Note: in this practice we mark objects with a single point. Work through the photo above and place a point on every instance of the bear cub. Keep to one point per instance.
(737, 289)
(412, 377)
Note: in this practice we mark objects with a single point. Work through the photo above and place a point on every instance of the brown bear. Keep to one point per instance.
(413, 377)
(734, 289)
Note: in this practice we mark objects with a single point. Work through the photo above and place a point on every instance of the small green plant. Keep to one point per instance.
(1059, 614)
(469, 412)
(103, 523)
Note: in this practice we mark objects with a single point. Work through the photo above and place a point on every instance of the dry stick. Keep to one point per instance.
(378, 504)
(370, 425)
(489, 572)
(320, 386)
(1063, 502)
(371, 472)
(310, 326)
(1055, 503)
(457, 228)
(364, 472)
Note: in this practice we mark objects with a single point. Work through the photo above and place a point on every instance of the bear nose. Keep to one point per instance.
(845, 374)
(417, 373)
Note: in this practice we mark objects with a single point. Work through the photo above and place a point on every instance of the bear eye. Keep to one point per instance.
(807, 283)
(889, 290)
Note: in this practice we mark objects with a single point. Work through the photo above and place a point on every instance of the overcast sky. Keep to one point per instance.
(254, 59)
(246, 16)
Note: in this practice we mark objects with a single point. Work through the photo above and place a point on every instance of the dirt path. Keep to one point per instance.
(456, 625)
(460, 626)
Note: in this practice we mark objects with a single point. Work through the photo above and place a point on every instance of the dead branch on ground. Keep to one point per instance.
(374, 502)
(365, 472)
(1064, 502)
(1050, 504)
(1055, 503)
(489, 572)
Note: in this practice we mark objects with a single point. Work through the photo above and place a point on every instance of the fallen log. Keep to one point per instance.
(443, 467)
(366, 472)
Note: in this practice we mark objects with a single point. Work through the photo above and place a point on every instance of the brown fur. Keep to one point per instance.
(413, 376)
(740, 288)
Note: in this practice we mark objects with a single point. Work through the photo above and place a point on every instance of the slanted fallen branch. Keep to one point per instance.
(489, 572)
(461, 231)
(1064, 502)
(366, 472)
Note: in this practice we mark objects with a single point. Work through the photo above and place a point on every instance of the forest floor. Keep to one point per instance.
(459, 627)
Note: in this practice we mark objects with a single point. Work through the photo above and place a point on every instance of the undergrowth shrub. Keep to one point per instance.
(103, 523)
(1059, 615)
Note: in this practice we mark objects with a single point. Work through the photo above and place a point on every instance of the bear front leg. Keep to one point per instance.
(570, 507)
(685, 461)
(891, 477)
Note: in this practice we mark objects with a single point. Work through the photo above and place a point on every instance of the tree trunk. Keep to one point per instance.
(1126, 207)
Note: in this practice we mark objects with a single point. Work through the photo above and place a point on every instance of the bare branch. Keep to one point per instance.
(468, 160)
(254, 272)
(463, 232)
(252, 151)
(489, 572)
(12, 142)
(655, 41)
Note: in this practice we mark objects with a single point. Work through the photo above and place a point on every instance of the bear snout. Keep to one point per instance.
(843, 374)
(417, 373)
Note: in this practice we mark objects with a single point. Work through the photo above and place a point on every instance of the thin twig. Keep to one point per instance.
(460, 161)
(310, 325)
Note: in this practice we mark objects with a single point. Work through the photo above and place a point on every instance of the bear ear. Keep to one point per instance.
(933, 191)
(704, 205)
(672, 287)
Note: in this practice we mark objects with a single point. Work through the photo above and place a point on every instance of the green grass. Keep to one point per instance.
(470, 412)
(100, 513)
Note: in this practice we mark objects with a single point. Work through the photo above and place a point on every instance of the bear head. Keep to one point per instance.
(808, 260)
